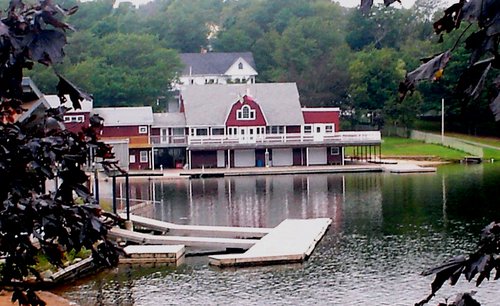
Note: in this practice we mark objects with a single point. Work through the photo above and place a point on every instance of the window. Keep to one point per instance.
(307, 129)
(245, 113)
(74, 119)
(240, 66)
(334, 151)
(143, 157)
(329, 129)
(131, 159)
(201, 132)
(217, 131)
(143, 129)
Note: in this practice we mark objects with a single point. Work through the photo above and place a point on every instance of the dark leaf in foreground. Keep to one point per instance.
(65, 87)
(471, 82)
(451, 19)
(46, 46)
(431, 69)
(495, 107)
(365, 6)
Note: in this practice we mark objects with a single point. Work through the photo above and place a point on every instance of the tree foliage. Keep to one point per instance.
(308, 42)
(35, 148)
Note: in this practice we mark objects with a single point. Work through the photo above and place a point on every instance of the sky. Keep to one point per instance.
(346, 3)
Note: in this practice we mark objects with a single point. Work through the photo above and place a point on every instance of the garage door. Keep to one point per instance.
(244, 158)
(317, 156)
(282, 157)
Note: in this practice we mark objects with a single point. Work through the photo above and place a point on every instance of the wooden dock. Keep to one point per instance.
(222, 172)
(201, 242)
(408, 168)
(198, 230)
(169, 254)
(293, 240)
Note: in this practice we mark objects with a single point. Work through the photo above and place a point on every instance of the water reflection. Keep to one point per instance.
(386, 229)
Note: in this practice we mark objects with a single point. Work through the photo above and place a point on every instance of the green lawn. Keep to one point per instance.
(395, 146)
(492, 141)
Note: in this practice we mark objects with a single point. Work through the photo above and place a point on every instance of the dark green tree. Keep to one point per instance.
(34, 221)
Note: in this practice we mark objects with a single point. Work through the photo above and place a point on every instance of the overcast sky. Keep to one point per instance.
(346, 3)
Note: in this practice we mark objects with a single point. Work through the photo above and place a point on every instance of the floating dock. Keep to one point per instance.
(218, 172)
(200, 242)
(198, 230)
(138, 254)
(293, 240)
(408, 168)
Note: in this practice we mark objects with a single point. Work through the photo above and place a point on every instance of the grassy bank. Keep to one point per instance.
(401, 147)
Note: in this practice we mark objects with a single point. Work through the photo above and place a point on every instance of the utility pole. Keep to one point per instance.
(442, 121)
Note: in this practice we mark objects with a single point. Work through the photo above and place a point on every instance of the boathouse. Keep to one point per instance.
(251, 125)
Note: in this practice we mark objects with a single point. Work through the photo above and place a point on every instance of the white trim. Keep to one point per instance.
(334, 152)
(240, 113)
(131, 158)
(74, 118)
(321, 109)
(143, 156)
(143, 129)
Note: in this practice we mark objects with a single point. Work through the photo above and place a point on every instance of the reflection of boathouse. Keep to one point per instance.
(257, 201)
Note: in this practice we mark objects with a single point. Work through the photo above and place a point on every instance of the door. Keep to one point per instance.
(247, 134)
(282, 157)
(317, 156)
(319, 132)
(221, 159)
(244, 158)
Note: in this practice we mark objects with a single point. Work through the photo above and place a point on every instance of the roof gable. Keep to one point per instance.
(246, 68)
(213, 63)
(125, 116)
(210, 105)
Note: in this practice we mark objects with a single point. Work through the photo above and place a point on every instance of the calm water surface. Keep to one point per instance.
(386, 229)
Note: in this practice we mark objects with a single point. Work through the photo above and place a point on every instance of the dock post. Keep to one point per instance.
(113, 190)
(127, 196)
(96, 184)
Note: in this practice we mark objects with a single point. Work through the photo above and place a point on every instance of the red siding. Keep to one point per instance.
(311, 117)
(333, 159)
(121, 131)
(297, 156)
(293, 129)
(155, 132)
(207, 159)
(76, 127)
(259, 120)
(138, 165)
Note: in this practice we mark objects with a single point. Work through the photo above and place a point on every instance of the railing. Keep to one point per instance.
(173, 140)
(339, 137)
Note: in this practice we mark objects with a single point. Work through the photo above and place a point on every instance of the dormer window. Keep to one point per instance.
(240, 66)
(245, 113)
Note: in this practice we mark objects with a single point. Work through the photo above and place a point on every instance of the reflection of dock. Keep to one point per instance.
(293, 240)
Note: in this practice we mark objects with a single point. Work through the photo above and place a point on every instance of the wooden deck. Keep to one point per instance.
(169, 254)
(201, 242)
(293, 240)
(198, 230)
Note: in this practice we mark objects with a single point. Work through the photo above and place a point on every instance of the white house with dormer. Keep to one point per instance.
(218, 68)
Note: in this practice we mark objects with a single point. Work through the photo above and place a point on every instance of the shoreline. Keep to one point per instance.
(351, 167)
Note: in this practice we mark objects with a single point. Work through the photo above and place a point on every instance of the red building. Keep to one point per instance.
(249, 125)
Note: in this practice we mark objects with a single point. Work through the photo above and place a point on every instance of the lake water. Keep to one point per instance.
(386, 229)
